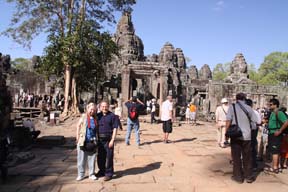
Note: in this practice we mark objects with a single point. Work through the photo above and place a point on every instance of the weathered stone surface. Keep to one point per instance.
(191, 162)
(205, 72)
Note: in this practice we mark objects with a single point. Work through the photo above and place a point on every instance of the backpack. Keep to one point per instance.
(133, 114)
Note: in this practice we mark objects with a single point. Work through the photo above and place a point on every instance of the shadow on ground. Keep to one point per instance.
(138, 170)
(185, 140)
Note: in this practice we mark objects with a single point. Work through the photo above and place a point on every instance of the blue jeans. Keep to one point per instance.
(132, 125)
(84, 157)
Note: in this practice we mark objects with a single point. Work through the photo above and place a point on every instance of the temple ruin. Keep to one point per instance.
(157, 75)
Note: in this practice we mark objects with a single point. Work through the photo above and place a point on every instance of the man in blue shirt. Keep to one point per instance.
(108, 125)
(133, 122)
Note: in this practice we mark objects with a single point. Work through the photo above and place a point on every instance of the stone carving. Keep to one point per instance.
(131, 46)
(193, 72)
(167, 56)
(238, 71)
(239, 65)
(205, 72)
(181, 63)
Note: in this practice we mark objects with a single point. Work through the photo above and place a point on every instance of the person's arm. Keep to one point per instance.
(229, 117)
(283, 127)
(78, 128)
(281, 118)
(114, 120)
(111, 143)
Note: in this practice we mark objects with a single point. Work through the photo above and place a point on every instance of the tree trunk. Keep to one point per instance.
(74, 98)
(67, 89)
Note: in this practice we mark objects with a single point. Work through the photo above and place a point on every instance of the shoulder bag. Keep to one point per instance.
(234, 130)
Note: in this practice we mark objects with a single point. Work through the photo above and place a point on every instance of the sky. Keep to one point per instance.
(208, 31)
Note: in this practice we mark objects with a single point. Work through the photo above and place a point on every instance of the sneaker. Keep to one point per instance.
(93, 177)
(127, 144)
(80, 178)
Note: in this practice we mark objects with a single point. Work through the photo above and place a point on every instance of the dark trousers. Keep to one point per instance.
(242, 168)
(105, 158)
(254, 144)
(153, 117)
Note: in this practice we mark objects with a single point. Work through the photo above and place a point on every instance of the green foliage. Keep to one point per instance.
(221, 71)
(22, 64)
(73, 35)
(274, 69)
(253, 73)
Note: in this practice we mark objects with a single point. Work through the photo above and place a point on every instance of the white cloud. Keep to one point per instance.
(220, 5)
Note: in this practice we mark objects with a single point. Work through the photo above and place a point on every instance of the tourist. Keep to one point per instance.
(167, 117)
(134, 106)
(276, 125)
(29, 124)
(193, 110)
(153, 110)
(220, 117)
(148, 106)
(254, 134)
(284, 144)
(241, 147)
(108, 125)
(118, 113)
(187, 114)
(86, 136)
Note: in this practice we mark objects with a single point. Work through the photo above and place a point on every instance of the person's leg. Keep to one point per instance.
(109, 166)
(254, 147)
(275, 161)
(168, 129)
(91, 163)
(137, 132)
(128, 131)
(236, 157)
(81, 162)
(101, 158)
(164, 130)
(247, 160)
(219, 136)
(223, 138)
(261, 149)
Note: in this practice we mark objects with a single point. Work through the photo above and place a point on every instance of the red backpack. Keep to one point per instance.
(133, 114)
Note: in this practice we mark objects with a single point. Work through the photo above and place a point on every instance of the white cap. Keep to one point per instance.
(224, 100)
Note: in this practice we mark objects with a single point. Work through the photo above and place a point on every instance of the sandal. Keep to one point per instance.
(271, 170)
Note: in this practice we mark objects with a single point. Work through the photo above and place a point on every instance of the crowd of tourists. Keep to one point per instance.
(24, 99)
(97, 130)
(238, 125)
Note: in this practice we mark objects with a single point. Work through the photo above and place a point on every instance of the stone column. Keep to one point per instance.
(262, 103)
(162, 79)
(125, 88)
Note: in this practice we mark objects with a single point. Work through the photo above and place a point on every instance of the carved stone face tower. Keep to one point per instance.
(131, 46)
(238, 70)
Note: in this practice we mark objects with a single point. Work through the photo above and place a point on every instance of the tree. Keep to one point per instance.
(221, 71)
(274, 69)
(253, 73)
(63, 21)
(22, 64)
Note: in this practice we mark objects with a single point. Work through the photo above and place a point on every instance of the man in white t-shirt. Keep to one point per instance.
(220, 117)
(167, 117)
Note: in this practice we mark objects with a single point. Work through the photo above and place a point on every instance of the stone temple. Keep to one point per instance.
(131, 73)
(157, 75)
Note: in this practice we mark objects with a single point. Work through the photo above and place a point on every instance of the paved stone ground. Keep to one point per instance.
(192, 162)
